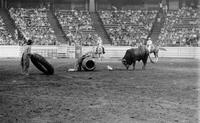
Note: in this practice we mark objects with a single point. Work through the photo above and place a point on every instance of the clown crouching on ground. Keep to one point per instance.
(78, 48)
(79, 62)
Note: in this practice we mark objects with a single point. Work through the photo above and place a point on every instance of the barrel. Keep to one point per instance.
(88, 64)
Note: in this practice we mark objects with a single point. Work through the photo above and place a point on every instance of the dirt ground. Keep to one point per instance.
(166, 92)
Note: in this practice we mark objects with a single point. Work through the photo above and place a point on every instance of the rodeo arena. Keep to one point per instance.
(99, 61)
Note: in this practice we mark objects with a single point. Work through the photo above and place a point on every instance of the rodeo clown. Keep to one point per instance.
(25, 59)
(79, 62)
(149, 43)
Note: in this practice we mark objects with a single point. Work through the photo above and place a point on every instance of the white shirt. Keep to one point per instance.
(149, 42)
(161, 5)
(99, 41)
(27, 49)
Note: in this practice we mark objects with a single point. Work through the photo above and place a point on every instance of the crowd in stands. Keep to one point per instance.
(33, 24)
(5, 36)
(181, 28)
(128, 27)
(85, 39)
(70, 19)
(81, 37)
(125, 27)
(74, 20)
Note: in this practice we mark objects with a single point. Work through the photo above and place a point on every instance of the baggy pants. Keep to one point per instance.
(25, 63)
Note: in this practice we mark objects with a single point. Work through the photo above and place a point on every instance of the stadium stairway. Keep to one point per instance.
(157, 26)
(9, 22)
(60, 35)
(99, 28)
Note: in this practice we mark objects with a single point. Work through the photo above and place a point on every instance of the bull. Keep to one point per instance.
(141, 53)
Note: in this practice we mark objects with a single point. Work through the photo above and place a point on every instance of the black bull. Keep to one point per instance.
(137, 54)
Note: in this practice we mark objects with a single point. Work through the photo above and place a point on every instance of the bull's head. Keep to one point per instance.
(125, 63)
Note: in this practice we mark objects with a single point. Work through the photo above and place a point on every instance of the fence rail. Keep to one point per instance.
(65, 51)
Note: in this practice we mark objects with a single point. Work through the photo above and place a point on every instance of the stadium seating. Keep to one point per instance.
(125, 27)
(33, 24)
(181, 28)
(5, 37)
(72, 19)
(128, 27)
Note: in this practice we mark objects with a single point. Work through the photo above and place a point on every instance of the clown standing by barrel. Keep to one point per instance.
(78, 53)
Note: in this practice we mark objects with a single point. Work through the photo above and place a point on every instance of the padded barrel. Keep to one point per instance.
(88, 64)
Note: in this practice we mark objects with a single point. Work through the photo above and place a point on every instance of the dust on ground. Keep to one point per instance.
(166, 92)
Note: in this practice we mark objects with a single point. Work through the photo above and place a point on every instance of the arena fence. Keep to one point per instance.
(10, 51)
(66, 51)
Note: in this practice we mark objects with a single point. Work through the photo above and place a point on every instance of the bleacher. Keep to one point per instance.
(128, 27)
(70, 20)
(125, 27)
(5, 36)
(181, 28)
(33, 24)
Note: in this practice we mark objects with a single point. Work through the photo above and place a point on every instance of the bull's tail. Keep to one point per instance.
(163, 49)
(151, 59)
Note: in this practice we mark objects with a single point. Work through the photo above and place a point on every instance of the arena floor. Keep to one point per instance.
(166, 92)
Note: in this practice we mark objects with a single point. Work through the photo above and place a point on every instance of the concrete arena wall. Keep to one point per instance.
(176, 52)
(65, 51)
(9, 51)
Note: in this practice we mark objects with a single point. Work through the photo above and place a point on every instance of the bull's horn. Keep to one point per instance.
(123, 59)
(163, 49)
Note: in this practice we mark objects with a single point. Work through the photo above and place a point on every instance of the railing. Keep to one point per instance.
(65, 51)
